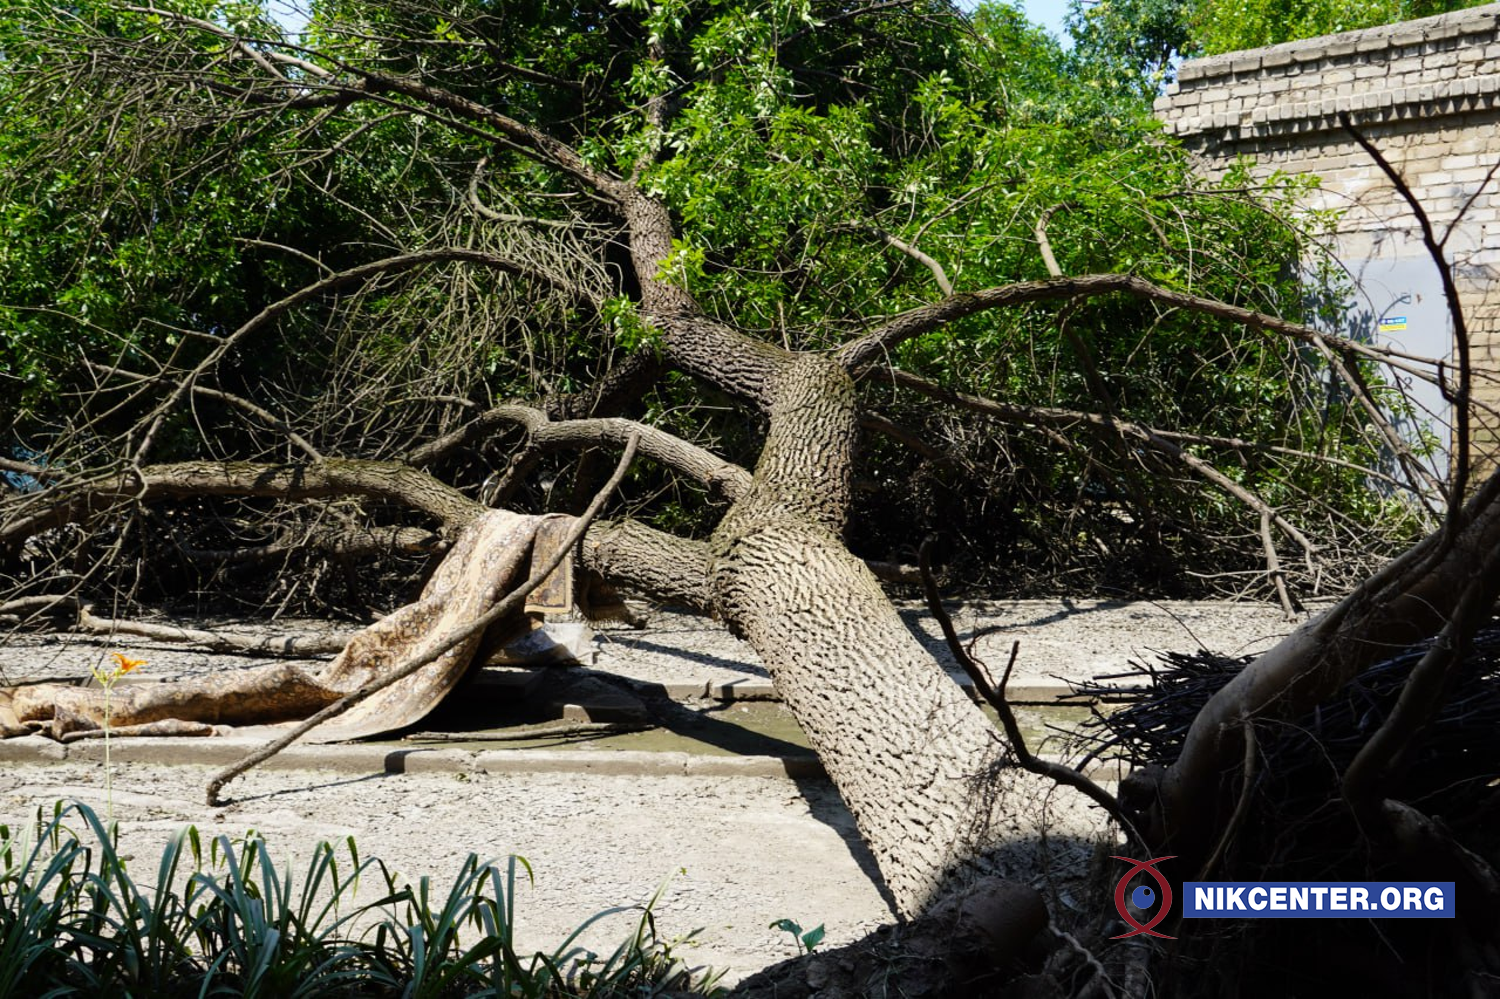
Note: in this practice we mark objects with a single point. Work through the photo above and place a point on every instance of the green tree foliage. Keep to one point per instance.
(1132, 42)
(1217, 26)
(822, 165)
(111, 251)
(1136, 42)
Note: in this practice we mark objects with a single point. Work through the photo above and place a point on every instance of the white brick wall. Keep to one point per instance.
(1426, 93)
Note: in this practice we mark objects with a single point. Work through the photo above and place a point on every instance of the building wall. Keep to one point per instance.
(1427, 94)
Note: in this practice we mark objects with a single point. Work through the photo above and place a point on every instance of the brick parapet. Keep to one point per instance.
(1440, 67)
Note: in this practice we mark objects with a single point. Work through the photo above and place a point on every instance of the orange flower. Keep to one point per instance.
(125, 664)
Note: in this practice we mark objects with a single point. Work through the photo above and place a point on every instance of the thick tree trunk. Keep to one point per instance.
(921, 768)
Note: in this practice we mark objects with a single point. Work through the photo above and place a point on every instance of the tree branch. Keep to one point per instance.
(1146, 435)
(938, 274)
(1416, 472)
(1043, 243)
(331, 477)
(860, 354)
(630, 554)
(1410, 599)
(1459, 400)
(373, 83)
(876, 423)
(1422, 694)
(297, 646)
(333, 282)
(486, 212)
(994, 696)
(348, 542)
(543, 435)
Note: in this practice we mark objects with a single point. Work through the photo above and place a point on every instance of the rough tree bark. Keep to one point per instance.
(918, 764)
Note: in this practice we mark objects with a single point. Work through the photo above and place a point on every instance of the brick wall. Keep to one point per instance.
(1426, 93)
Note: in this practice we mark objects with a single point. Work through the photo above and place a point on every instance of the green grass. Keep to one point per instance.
(227, 921)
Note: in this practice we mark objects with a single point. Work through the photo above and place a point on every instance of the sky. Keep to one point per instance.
(1049, 14)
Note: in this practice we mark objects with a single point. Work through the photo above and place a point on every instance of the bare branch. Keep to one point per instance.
(331, 477)
(1043, 243)
(37, 472)
(333, 282)
(486, 212)
(879, 424)
(543, 435)
(1417, 473)
(1273, 567)
(995, 697)
(1124, 428)
(858, 355)
(1412, 597)
(1459, 399)
(294, 251)
(1241, 806)
(373, 84)
(261, 414)
(938, 274)
(84, 620)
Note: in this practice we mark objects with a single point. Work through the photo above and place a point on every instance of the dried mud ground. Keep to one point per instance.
(740, 851)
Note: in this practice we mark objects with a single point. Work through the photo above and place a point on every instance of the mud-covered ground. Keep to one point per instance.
(1060, 640)
(741, 851)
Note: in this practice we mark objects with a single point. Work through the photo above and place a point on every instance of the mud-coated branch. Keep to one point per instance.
(84, 620)
(511, 603)
(346, 542)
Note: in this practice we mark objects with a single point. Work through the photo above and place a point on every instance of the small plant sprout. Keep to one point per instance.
(107, 678)
(806, 942)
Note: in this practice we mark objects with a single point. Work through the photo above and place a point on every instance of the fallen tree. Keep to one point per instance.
(613, 234)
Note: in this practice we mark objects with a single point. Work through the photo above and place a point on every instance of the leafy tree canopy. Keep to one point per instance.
(1138, 40)
(824, 164)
